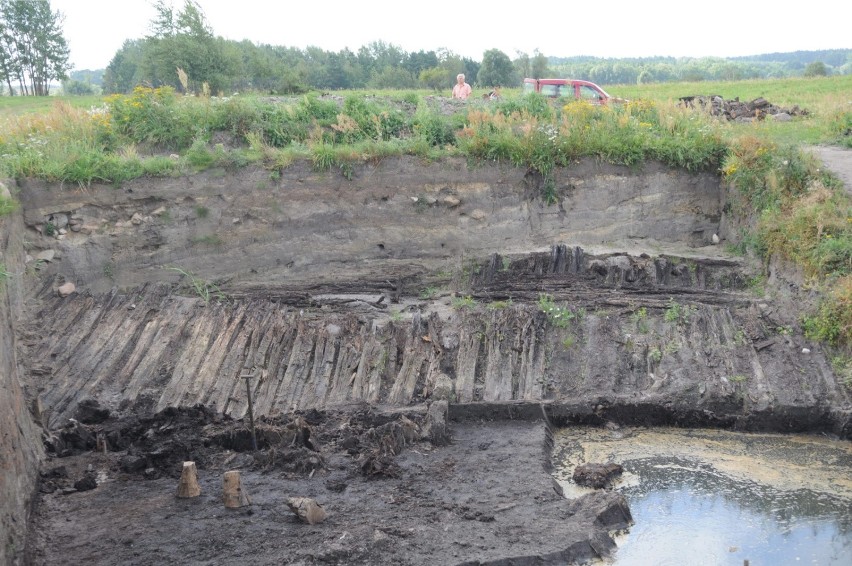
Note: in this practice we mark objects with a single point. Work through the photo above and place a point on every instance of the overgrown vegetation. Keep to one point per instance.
(800, 214)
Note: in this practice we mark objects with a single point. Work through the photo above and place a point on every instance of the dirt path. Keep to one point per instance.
(839, 161)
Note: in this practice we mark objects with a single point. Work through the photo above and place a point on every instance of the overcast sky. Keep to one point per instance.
(96, 29)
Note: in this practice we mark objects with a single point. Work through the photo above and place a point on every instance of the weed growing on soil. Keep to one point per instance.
(678, 313)
(557, 316)
(842, 365)
(639, 319)
(832, 321)
(8, 205)
(466, 302)
(5, 274)
(204, 289)
(429, 293)
(34, 267)
(212, 240)
(655, 355)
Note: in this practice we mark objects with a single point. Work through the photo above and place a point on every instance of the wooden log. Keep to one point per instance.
(233, 495)
(307, 510)
(188, 486)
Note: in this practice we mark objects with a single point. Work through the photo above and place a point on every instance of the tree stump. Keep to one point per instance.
(233, 495)
(188, 486)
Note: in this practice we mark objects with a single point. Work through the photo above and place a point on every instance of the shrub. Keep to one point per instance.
(157, 116)
(832, 321)
(814, 232)
(435, 129)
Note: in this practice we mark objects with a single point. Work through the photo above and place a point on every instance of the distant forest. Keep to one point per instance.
(183, 52)
(666, 69)
(229, 66)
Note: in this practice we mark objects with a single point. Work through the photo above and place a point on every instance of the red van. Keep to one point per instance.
(576, 89)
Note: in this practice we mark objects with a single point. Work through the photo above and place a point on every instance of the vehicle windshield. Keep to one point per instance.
(592, 94)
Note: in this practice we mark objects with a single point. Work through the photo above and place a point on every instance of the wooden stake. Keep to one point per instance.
(188, 486)
(250, 410)
(233, 495)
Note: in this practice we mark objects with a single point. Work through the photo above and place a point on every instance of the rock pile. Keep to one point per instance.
(739, 111)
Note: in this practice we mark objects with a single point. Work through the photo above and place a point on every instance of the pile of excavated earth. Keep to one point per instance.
(374, 365)
(742, 111)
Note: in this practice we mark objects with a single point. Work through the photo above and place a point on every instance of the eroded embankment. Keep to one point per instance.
(699, 350)
(413, 281)
(397, 218)
(20, 441)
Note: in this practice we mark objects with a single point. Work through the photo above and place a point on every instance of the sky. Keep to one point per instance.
(96, 29)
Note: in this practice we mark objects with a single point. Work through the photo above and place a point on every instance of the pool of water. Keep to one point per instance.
(720, 498)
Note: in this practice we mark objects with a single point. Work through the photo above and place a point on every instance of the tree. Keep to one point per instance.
(539, 65)
(435, 78)
(33, 51)
(496, 69)
(522, 64)
(184, 40)
(74, 87)
(816, 69)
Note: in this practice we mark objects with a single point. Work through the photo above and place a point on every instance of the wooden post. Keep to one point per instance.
(233, 495)
(188, 486)
(250, 410)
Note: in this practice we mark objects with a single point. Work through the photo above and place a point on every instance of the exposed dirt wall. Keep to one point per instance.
(397, 217)
(382, 289)
(20, 439)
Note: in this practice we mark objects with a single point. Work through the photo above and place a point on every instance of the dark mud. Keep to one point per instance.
(398, 487)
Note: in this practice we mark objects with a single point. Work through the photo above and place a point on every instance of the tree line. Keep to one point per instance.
(183, 52)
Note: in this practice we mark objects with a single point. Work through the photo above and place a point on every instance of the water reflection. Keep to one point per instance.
(688, 513)
(719, 498)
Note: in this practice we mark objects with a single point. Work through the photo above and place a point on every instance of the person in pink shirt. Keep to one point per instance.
(462, 90)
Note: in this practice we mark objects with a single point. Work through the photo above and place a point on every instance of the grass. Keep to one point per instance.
(8, 205)
(466, 302)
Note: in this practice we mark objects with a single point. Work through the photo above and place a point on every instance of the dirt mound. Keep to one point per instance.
(741, 111)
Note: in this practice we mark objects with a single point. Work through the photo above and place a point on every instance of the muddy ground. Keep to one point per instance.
(397, 490)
